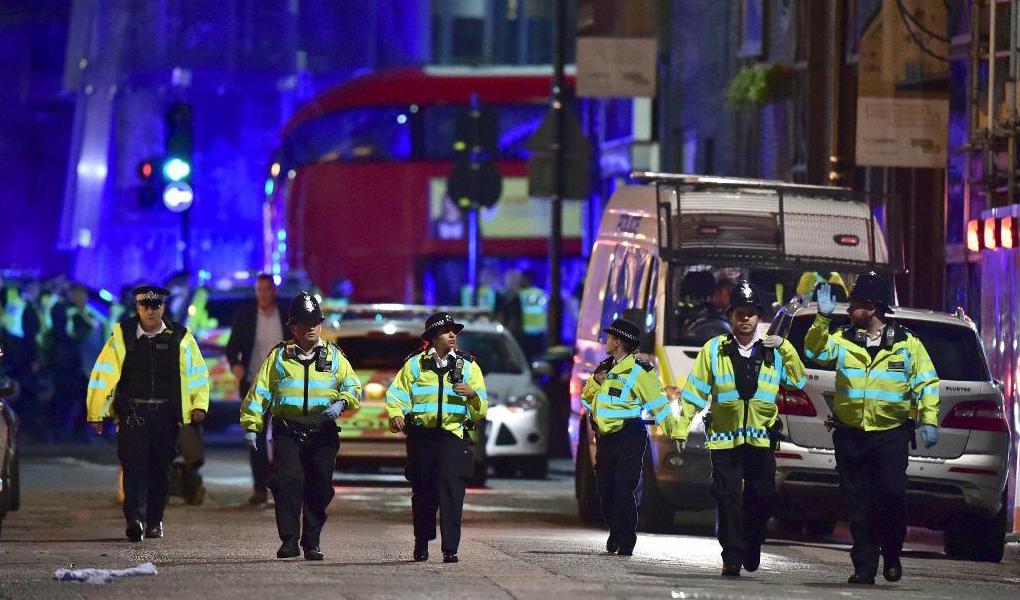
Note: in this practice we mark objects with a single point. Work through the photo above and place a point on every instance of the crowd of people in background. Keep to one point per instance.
(52, 332)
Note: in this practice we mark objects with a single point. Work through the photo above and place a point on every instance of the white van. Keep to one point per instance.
(667, 253)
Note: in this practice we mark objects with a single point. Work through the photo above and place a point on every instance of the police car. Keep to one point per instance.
(957, 486)
(377, 339)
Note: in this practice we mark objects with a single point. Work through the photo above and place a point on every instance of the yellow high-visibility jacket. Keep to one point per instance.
(534, 310)
(419, 394)
(286, 387)
(630, 387)
(734, 421)
(107, 370)
(875, 395)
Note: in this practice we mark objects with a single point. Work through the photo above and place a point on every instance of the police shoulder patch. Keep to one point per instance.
(647, 366)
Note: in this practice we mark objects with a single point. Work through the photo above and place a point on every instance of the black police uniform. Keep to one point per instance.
(148, 403)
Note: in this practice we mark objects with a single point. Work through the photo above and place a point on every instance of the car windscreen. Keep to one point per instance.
(378, 352)
(954, 349)
(494, 352)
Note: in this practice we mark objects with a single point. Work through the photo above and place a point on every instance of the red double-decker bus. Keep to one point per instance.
(358, 185)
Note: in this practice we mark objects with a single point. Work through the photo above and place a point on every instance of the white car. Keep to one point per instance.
(958, 485)
(378, 338)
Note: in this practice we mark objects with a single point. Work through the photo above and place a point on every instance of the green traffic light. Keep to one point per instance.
(176, 169)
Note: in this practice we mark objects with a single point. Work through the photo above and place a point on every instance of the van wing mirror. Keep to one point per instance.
(639, 316)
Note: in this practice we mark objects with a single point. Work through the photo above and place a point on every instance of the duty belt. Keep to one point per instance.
(149, 403)
(303, 432)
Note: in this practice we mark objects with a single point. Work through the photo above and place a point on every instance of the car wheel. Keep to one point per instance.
(588, 506)
(14, 502)
(655, 515)
(536, 467)
(982, 540)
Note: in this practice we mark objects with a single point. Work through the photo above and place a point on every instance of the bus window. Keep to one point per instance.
(357, 134)
(515, 124)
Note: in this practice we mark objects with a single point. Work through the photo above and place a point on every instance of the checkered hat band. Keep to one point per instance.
(623, 335)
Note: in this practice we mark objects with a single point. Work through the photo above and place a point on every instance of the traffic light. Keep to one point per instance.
(474, 180)
(151, 186)
(177, 160)
(177, 166)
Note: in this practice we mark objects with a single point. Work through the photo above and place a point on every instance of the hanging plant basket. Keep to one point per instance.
(760, 84)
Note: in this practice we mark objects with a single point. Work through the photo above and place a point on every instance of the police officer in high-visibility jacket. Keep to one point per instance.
(738, 376)
(883, 377)
(151, 377)
(305, 384)
(621, 387)
(438, 395)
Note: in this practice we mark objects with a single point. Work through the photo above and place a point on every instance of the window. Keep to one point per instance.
(357, 134)
(627, 284)
(495, 353)
(752, 25)
(954, 349)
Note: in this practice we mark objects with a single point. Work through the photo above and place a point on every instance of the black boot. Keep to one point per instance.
(731, 570)
(893, 570)
(135, 531)
(421, 550)
(288, 549)
(861, 579)
(752, 558)
(154, 530)
(313, 553)
(450, 557)
(612, 546)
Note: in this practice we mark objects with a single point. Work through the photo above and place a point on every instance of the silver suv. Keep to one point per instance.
(957, 486)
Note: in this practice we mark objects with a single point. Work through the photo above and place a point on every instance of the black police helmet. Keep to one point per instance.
(626, 331)
(438, 323)
(744, 294)
(869, 287)
(304, 308)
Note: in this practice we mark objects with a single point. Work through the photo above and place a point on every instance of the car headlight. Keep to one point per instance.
(523, 401)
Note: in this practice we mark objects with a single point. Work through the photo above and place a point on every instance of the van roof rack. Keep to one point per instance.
(714, 181)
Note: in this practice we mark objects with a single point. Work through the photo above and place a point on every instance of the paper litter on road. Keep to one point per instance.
(103, 575)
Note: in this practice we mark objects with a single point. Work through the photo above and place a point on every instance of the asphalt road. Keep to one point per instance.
(521, 540)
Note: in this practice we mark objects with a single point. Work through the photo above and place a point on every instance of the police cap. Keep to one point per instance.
(744, 294)
(304, 308)
(439, 322)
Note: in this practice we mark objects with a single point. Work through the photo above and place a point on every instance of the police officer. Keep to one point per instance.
(738, 376)
(882, 371)
(438, 395)
(305, 384)
(619, 389)
(153, 374)
(534, 311)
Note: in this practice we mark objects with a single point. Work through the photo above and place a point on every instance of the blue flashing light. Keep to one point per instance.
(401, 118)
(176, 169)
(106, 295)
(270, 186)
(281, 235)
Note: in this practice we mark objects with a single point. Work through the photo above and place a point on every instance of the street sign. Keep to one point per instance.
(577, 162)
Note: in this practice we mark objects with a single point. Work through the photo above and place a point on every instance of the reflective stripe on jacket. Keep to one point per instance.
(875, 395)
(534, 308)
(107, 370)
(630, 387)
(286, 387)
(734, 421)
(417, 393)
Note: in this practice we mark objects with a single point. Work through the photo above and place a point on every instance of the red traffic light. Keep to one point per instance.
(146, 168)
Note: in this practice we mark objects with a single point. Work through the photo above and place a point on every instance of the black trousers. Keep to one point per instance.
(743, 486)
(146, 447)
(619, 460)
(873, 478)
(438, 474)
(302, 482)
(258, 458)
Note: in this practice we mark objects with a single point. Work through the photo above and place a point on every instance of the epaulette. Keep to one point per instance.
(412, 355)
(647, 366)
(337, 348)
(464, 355)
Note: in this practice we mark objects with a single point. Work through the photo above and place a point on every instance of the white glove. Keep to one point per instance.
(253, 440)
(826, 301)
(772, 341)
(333, 411)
